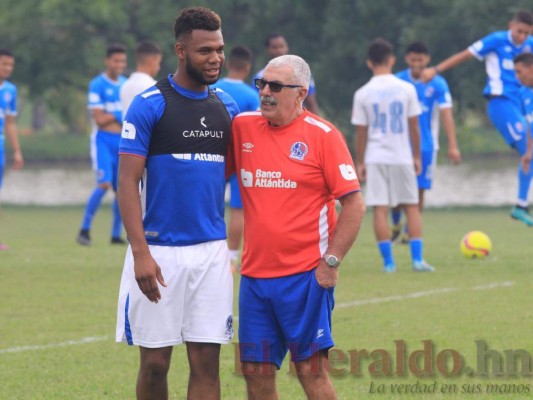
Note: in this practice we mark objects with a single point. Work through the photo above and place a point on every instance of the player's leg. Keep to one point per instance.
(207, 316)
(260, 380)
(414, 222)
(102, 166)
(313, 375)
(511, 124)
(378, 197)
(152, 379)
(235, 223)
(204, 363)
(396, 217)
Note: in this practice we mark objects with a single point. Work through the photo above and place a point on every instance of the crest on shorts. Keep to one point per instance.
(229, 327)
(299, 151)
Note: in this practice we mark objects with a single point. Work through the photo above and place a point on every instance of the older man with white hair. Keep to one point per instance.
(293, 165)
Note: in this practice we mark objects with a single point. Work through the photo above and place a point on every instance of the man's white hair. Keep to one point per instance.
(301, 73)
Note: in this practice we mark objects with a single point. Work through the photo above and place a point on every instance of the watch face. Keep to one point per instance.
(332, 261)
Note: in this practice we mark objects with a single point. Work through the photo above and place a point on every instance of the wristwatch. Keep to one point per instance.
(332, 260)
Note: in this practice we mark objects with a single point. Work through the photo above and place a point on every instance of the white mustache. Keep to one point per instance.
(268, 100)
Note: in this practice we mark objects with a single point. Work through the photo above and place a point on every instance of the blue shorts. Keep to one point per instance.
(426, 175)
(235, 194)
(105, 157)
(280, 314)
(509, 121)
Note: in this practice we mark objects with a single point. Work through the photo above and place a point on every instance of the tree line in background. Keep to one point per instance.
(59, 44)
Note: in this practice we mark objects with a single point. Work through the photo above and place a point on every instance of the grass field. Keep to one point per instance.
(58, 304)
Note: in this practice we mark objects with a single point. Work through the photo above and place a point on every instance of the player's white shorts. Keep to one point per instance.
(391, 185)
(196, 305)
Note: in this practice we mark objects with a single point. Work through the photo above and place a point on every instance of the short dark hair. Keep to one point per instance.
(379, 51)
(6, 53)
(271, 36)
(114, 48)
(418, 48)
(196, 18)
(240, 57)
(146, 48)
(523, 16)
(524, 58)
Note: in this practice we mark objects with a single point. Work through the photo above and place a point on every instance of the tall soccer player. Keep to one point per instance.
(435, 100)
(8, 115)
(176, 285)
(498, 49)
(385, 114)
(106, 111)
(238, 65)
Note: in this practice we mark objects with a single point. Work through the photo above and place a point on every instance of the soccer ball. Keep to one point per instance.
(476, 244)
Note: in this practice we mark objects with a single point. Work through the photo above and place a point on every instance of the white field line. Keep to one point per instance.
(356, 303)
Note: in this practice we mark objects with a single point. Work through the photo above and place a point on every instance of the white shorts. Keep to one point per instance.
(391, 185)
(196, 305)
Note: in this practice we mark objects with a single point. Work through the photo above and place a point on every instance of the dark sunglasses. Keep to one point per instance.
(274, 86)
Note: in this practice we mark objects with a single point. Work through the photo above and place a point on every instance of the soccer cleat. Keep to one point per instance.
(522, 214)
(422, 266)
(396, 233)
(84, 238)
(118, 240)
(389, 268)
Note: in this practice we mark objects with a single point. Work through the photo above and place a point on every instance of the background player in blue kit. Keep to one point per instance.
(106, 111)
(8, 115)
(177, 285)
(276, 45)
(435, 100)
(238, 65)
(523, 65)
(498, 49)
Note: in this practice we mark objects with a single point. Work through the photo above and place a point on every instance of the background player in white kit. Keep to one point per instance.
(385, 113)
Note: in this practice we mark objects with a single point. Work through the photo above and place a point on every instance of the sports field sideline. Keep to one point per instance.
(58, 305)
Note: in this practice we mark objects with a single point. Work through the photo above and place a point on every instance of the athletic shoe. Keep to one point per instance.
(522, 215)
(4, 247)
(422, 266)
(389, 268)
(118, 240)
(84, 238)
(396, 233)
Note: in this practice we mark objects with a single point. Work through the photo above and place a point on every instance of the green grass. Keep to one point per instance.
(53, 291)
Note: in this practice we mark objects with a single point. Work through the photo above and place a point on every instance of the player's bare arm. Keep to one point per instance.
(454, 155)
(106, 121)
(346, 230)
(414, 136)
(451, 62)
(147, 272)
(12, 136)
(361, 137)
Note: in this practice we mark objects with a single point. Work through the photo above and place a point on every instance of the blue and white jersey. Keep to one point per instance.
(184, 136)
(104, 94)
(433, 96)
(526, 99)
(246, 98)
(259, 75)
(8, 106)
(498, 50)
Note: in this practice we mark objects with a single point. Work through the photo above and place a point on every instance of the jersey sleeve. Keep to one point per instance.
(359, 116)
(337, 165)
(484, 46)
(444, 97)
(227, 100)
(413, 105)
(95, 99)
(137, 127)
